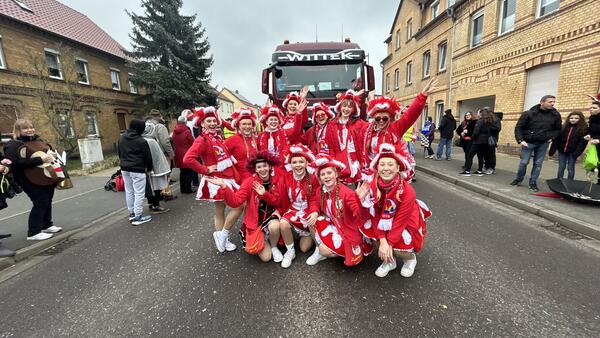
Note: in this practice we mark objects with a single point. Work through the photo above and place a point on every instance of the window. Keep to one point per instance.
(53, 63)
(387, 83)
(409, 30)
(541, 80)
(476, 29)
(507, 16)
(435, 9)
(424, 115)
(426, 62)
(2, 62)
(397, 78)
(398, 36)
(91, 123)
(114, 77)
(442, 48)
(439, 111)
(545, 7)
(81, 69)
(132, 87)
(409, 73)
(63, 122)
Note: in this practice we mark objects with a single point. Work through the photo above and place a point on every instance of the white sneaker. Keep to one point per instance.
(385, 268)
(229, 246)
(52, 230)
(288, 257)
(408, 268)
(315, 258)
(277, 256)
(219, 241)
(39, 237)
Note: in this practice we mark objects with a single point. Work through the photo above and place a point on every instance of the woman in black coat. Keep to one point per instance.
(486, 127)
(465, 132)
(594, 128)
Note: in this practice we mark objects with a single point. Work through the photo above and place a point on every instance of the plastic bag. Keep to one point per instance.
(590, 161)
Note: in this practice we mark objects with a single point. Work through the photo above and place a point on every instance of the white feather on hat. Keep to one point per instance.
(389, 150)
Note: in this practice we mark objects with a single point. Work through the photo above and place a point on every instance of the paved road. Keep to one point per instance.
(483, 272)
(72, 208)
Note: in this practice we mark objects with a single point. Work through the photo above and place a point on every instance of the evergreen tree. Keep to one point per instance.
(171, 57)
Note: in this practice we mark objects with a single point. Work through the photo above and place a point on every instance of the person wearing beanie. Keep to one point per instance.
(135, 160)
(182, 141)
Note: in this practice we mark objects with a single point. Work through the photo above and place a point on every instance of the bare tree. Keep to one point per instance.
(62, 96)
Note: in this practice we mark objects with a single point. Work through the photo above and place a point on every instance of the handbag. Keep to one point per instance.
(457, 141)
(66, 183)
(491, 141)
(590, 161)
(255, 241)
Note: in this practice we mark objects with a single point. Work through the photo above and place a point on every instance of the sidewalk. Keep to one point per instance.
(579, 217)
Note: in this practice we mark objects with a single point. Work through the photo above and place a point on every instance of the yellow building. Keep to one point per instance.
(505, 54)
(238, 100)
(65, 73)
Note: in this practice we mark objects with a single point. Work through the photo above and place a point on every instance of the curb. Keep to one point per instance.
(82, 232)
(574, 224)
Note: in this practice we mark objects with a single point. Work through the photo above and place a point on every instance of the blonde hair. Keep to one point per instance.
(20, 124)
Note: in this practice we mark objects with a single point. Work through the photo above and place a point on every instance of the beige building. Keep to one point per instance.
(505, 54)
(62, 71)
(238, 100)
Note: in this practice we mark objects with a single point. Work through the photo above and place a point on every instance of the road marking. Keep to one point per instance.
(53, 203)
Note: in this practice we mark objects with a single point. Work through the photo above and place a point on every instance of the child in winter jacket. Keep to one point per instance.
(570, 143)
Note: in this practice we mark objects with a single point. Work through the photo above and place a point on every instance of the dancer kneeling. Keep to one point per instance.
(335, 213)
(259, 222)
(297, 185)
(397, 216)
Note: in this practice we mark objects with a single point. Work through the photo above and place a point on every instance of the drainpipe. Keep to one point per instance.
(451, 14)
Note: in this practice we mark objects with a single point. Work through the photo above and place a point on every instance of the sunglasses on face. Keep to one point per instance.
(382, 118)
(321, 115)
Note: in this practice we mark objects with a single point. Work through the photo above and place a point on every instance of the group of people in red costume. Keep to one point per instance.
(342, 186)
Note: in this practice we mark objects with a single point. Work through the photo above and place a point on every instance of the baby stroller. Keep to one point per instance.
(115, 183)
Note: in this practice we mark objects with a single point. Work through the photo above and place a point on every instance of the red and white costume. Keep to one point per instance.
(342, 212)
(395, 212)
(240, 146)
(347, 146)
(318, 138)
(294, 124)
(210, 149)
(294, 193)
(372, 139)
(274, 141)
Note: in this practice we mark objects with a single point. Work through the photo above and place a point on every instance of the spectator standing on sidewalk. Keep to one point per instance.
(594, 127)
(31, 173)
(534, 129)
(447, 127)
(428, 132)
(158, 178)
(465, 131)
(484, 128)
(570, 144)
(161, 133)
(489, 166)
(135, 159)
(182, 141)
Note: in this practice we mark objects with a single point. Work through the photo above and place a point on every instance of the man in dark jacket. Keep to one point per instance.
(447, 127)
(136, 160)
(535, 128)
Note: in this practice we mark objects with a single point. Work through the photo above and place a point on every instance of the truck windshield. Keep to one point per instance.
(324, 81)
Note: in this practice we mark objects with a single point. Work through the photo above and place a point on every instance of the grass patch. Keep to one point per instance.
(73, 164)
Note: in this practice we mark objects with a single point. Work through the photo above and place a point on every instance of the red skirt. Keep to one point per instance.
(212, 192)
(412, 239)
(297, 220)
(328, 235)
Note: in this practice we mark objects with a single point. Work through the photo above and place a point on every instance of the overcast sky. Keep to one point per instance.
(243, 34)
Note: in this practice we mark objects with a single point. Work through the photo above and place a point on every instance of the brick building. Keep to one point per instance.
(500, 53)
(59, 69)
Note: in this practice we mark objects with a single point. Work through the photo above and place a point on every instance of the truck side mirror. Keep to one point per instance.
(370, 78)
(265, 81)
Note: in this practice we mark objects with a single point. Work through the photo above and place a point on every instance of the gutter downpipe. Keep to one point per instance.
(451, 14)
